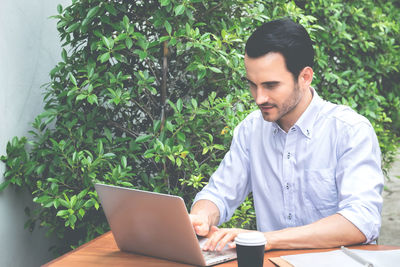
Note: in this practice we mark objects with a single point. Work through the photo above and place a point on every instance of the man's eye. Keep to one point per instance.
(252, 86)
(270, 85)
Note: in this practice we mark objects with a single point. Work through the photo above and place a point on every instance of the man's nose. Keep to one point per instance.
(260, 96)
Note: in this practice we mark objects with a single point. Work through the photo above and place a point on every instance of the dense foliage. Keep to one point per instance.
(148, 93)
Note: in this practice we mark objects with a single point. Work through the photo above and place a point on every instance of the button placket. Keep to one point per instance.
(288, 182)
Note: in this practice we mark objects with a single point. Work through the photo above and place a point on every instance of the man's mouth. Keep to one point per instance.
(266, 107)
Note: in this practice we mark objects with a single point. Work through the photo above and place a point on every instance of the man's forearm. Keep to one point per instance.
(332, 231)
(207, 209)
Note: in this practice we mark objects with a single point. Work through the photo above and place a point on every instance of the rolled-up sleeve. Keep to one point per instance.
(360, 180)
(230, 184)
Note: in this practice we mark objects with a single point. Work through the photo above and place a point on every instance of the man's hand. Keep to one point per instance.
(200, 224)
(203, 215)
(219, 238)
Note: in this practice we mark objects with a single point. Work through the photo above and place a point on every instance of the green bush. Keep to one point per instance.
(148, 93)
(358, 62)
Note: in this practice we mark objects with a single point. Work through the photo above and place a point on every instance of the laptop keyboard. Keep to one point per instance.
(213, 257)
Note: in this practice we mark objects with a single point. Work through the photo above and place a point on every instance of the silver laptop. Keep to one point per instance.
(156, 225)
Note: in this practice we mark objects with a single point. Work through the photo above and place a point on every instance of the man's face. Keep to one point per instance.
(273, 88)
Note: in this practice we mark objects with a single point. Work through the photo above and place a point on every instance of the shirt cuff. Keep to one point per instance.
(369, 227)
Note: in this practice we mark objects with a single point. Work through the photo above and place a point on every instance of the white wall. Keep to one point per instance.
(29, 49)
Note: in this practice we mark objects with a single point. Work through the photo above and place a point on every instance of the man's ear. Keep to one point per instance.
(306, 77)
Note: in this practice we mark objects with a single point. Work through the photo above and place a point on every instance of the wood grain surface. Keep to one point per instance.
(103, 251)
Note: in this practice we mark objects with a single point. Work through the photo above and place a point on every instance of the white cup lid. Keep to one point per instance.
(250, 239)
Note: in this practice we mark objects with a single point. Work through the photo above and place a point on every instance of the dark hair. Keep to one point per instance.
(286, 37)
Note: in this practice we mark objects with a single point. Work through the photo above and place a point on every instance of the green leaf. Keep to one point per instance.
(41, 199)
(120, 58)
(109, 155)
(4, 184)
(181, 137)
(124, 162)
(64, 55)
(194, 103)
(104, 57)
(169, 126)
(89, 203)
(148, 155)
(188, 29)
(92, 12)
(216, 70)
(73, 27)
(92, 99)
(156, 125)
(72, 78)
(73, 201)
(171, 158)
(179, 10)
(40, 169)
(64, 203)
(61, 24)
(107, 42)
(179, 105)
(165, 2)
(168, 27)
(128, 43)
(81, 213)
(110, 8)
(125, 20)
(143, 138)
(83, 193)
(142, 54)
(164, 38)
(72, 220)
(126, 184)
(219, 147)
(80, 97)
(62, 213)
(201, 74)
(59, 8)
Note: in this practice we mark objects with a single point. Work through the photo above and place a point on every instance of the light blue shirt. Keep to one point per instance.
(327, 163)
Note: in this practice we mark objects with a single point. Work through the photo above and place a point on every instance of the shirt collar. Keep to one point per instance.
(306, 121)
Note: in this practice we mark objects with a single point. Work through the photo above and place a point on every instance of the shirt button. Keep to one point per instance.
(290, 216)
(288, 155)
(287, 186)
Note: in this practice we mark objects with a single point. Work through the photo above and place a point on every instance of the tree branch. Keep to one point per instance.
(164, 83)
(143, 109)
(127, 131)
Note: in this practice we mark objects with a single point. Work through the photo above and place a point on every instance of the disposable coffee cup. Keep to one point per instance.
(250, 249)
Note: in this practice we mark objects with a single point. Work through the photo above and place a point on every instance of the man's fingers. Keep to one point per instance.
(225, 240)
(213, 229)
(232, 244)
(219, 237)
(210, 237)
(200, 226)
(201, 229)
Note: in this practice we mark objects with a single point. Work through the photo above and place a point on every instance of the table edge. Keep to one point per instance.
(77, 249)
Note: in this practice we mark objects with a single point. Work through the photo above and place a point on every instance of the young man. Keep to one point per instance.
(313, 167)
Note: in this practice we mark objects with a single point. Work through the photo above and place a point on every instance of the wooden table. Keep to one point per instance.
(103, 251)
